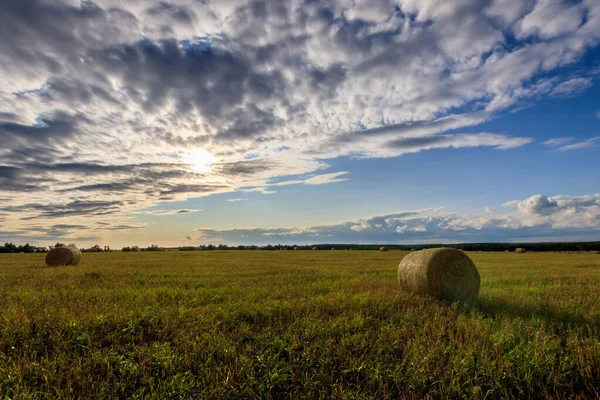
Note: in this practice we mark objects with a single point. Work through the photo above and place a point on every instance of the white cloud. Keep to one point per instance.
(538, 217)
(235, 200)
(580, 145)
(558, 141)
(551, 18)
(164, 212)
(326, 178)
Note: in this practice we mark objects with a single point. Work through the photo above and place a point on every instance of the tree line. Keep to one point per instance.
(549, 246)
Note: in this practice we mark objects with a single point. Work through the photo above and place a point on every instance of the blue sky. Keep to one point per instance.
(255, 122)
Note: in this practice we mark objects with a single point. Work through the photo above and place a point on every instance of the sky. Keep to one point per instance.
(187, 122)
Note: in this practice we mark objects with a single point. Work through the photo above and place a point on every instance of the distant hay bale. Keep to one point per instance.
(63, 256)
(507, 251)
(332, 248)
(383, 248)
(296, 248)
(314, 248)
(443, 273)
(520, 250)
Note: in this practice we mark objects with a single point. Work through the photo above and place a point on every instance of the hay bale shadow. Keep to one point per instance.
(498, 308)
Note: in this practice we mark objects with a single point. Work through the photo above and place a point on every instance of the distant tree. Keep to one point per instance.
(11, 246)
(26, 248)
(210, 247)
(126, 249)
(154, 247)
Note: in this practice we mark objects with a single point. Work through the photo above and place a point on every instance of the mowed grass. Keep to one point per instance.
(295, 324)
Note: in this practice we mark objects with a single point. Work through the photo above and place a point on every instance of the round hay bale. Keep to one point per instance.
(296, 248)
(520, 250)
(383, 248)
(314, 248)
(443, 273)
(63, 256)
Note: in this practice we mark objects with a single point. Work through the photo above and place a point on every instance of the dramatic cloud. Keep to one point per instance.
(112, 107)
(537, 218)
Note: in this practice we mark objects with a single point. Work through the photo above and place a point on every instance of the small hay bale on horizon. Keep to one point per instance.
(520, 250)
(68, 255)
(443, 273)
(383, 248)
(314, 248)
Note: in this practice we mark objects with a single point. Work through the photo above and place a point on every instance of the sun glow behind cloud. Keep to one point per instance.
(200, 160)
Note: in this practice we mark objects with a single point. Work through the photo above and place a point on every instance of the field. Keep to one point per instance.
(295, 324)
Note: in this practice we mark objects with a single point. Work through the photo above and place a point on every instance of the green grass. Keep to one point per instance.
(295, 324)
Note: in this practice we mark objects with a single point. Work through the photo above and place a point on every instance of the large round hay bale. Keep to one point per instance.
(443, 273)
(383, 248)
(520, 250)
(314, 248)
(63, 256)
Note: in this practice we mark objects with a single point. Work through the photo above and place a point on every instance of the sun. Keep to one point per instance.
(200, 160)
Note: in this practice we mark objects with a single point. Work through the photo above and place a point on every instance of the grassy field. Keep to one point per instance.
(295, 324)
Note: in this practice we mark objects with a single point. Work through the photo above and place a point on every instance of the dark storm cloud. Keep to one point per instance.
(213, 80)
(325, 81)
(74, 208)
(41, 34)
(31, 152)
(13, 179)
(178, 14)
(100, 187)
(52, 231)
(123, 227)
(76, 92)
(168, 190)
(10, 173)
(60, 126)
(244, 168)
